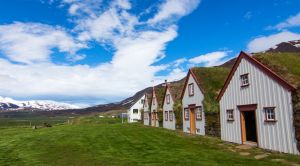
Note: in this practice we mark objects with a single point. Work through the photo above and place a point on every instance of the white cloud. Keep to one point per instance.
(174, 8)
(263, 43)
(293, 21)
(211, 59)
(33, 42)
(136, 45)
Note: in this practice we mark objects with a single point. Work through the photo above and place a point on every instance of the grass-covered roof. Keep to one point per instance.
(211, 80)
(286, 65)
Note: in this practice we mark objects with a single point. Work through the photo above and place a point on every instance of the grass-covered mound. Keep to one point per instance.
(211, 80)
(286, 65)
(105, 141)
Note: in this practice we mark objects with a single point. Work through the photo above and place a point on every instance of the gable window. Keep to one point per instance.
(186, 114)
(168, 98)
(198, 113)
(191, 89)
(135, 111)
(171, 115)
(142, 101)
(270, 114)
(244, 80)
(229, 114)
(166, 115)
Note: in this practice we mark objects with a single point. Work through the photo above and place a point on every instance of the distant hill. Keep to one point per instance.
(291, 46)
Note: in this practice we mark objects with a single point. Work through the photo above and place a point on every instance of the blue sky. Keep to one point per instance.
(95, 51)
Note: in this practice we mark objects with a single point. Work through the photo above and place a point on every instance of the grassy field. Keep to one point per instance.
(106, 141)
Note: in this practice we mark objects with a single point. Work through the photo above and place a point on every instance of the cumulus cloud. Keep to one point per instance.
(211, 59)
(174, 8)
(33, 42)
(136, 47)
(263, 43)
(293, 21)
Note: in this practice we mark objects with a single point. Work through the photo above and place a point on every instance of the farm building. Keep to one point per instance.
(147, 113)
(200, 109)
(259, 102)
(134, 112)
(170, 99)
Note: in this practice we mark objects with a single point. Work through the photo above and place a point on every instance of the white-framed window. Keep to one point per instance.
(166, 115)
(186, 114)
(168, 98)
(135, 111)
(244, 80)
(198, 113)
(154, 99)
(191, 89)
(270, 114)
(145, 116)
(229, 114)
(142, 101)
(171, 115)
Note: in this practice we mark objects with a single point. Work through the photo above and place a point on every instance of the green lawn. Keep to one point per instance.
(105, 141)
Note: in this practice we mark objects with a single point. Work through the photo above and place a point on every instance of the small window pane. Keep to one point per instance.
(171, 115)
(135, 111)
(230, 116)
(166, 115)
(199, 113)
(186, 114)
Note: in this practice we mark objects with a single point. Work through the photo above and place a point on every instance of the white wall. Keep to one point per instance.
(169, 107)
(197, 99)
(133, 117)
(264, 92)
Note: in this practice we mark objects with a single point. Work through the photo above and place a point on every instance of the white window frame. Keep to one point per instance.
(199, 112)
(166, 115)
(230, 114)
(171, 115)
(186, 114)
(270, 114)
(191, 89)
(244, 80)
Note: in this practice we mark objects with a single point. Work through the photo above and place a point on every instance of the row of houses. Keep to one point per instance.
(256, 105)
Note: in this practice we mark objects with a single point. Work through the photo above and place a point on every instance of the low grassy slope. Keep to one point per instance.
(104, 141)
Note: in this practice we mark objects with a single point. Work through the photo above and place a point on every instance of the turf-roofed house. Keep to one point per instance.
(171, 100)
(200, 89)
(259, 102)
(134, 112)
(156, 107)
(147, 113)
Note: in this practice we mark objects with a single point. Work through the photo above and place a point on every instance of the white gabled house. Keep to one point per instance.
(256, 107)
(154, 109)
(134, 112)
(192, 102)
(147, 113)
(169, 121)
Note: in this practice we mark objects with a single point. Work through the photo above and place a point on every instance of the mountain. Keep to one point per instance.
(11, 104)
(291, 46)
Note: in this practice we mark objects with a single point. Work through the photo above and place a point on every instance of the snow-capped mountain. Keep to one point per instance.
(290, 46)
(7, 103)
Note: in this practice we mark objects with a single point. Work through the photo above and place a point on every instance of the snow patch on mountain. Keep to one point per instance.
(7, 103)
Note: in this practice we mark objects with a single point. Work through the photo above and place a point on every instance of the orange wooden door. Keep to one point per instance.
(154, 119)
(243, 127)
(192, 121)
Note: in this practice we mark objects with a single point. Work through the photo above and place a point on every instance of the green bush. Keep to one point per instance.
(160, 117)
(178, 114)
